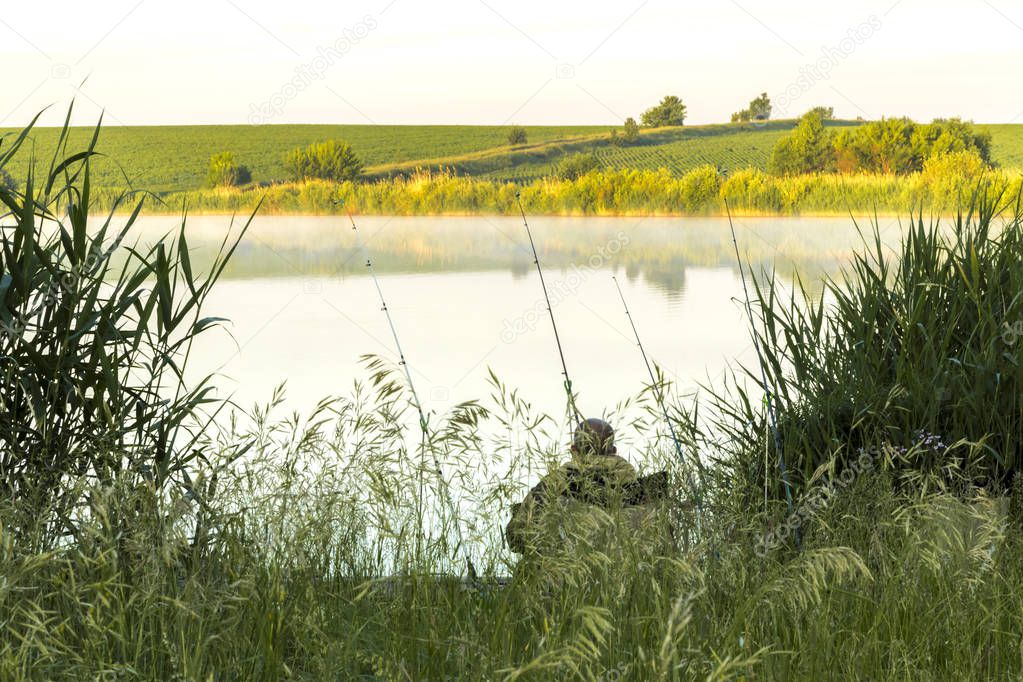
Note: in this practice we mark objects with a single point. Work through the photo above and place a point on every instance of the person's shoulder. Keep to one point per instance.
(619, 462)
(610, 468)
(559, 474)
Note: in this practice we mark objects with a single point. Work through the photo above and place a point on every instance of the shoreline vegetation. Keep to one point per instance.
(812, 166)
(942, 188)
(143, 538)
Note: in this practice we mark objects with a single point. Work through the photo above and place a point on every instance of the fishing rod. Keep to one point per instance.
(659, 398)
(426, 442)
(550, 310)
(772, 417)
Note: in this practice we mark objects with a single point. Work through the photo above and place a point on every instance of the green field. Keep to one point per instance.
(1006, 144)
(729, 147)
(174, 158)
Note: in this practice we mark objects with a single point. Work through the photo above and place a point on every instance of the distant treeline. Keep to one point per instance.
(945, 181)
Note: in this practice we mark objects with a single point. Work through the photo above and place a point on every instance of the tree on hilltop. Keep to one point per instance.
(670, 112)
(759, 109)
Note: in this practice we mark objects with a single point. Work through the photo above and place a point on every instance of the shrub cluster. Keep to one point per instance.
(224, 171)
(332, 160)
(888, 146)
(517, 135)
(575, 166)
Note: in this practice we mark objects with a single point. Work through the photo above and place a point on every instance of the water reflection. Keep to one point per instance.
(657, 249)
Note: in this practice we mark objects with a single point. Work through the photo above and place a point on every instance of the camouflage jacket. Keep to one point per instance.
(605, 482)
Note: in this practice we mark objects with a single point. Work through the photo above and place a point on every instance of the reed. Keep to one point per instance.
(909, 355)
(93, 333)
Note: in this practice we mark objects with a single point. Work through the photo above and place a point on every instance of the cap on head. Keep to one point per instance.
(594, 437)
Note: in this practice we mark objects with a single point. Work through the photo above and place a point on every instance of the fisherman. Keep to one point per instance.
(565, 506)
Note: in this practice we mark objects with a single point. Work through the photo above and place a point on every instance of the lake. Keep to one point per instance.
(465, 299)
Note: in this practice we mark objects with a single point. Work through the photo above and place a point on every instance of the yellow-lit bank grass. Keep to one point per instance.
(701, 191)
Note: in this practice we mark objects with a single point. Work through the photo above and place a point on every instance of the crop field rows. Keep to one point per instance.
(677, 153)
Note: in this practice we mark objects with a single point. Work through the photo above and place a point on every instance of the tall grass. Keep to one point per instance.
(298, 547)
(942, 187)
(900, 345)
(308, 571)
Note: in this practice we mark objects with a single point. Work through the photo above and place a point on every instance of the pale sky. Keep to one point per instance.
(497, 61)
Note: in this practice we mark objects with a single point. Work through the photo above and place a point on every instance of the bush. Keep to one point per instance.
(899, 145)
(949, 179)
(630, 131)
(699, 188)
(884, 146)
(517, 135)
(948, 135)
(888, 146)
(751, 188)
(807, 149)
(331, 160)
(670, 112)
(224, 171)
(575, 166)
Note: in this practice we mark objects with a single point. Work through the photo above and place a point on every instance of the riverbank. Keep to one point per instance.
(625, 193)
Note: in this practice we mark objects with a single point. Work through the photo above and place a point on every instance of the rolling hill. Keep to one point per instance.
(174, 158)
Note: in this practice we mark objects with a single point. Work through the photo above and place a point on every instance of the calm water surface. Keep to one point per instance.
(466, 299)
